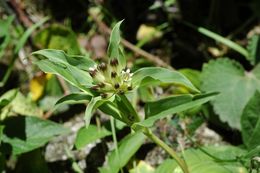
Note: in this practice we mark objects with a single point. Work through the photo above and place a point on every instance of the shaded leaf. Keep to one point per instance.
(156, 75)
(235, 85)
(5, 34)
(90, 134)
(167, 166)
(57, 37)
(29, 133)
(250, 122)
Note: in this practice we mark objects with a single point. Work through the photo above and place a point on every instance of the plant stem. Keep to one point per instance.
(170, 151)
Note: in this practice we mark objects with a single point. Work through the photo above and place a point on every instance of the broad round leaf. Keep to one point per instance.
(235, 85)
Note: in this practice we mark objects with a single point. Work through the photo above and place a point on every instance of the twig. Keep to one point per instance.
(21, 14)
(64, 86)
(155, 59)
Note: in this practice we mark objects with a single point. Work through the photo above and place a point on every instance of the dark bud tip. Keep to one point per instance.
(95, 87)
(103, 95)
(114, 62)
(102, 66)
(121, 92)
(92, 73)
(101, 85)
(113, 74)
(129, 88)
(117, 86)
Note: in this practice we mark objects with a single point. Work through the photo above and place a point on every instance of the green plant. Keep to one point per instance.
(108, 86)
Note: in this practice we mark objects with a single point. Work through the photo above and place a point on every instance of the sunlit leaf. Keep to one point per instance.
(90, 134)
(142, 167)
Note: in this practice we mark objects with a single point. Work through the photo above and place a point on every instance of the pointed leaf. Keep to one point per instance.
(164, 107)
(114, 50)
(74, 98)
(154, 75)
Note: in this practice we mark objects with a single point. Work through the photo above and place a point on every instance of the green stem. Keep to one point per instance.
(169, 150)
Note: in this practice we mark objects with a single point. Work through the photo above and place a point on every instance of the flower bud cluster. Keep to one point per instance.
(110, 78)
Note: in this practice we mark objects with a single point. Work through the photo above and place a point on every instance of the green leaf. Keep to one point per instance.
(91, 134)
(154, 75)
(250, 122)
(25, 134)
(27, 34)
(59, 56)
(70, 74)
(126, 108)
(224, 41)
(57, 37)
(1, 132)
(235, 85)
(126, 149)
(74, 98)
(253, 49)
(199, 162)
(168, 166)
(94, 103)
(114, 50)
(171, 105)
(192, 75)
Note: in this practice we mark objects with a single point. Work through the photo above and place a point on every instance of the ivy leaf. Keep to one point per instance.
(114, 50)
(250, 122)
(156, 75)
(26, 133)
(235, 85)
